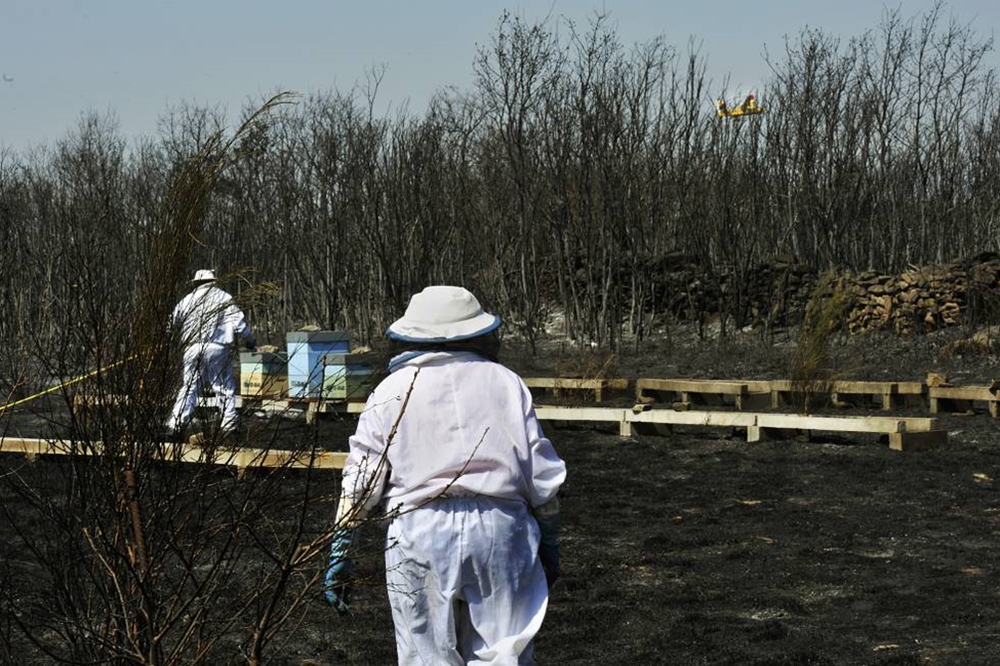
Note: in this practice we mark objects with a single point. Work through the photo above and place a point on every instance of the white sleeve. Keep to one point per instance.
(546, 471)
(237, 319)
(367, 465)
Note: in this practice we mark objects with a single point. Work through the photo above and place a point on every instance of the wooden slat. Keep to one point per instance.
(574, 383)
(176, 452)
(830, 423)
(863, 387)
(910, 388)
(601, 414)
(693, 386)
(693, 418)
(243, 402)
(557, 384)
(982, 393)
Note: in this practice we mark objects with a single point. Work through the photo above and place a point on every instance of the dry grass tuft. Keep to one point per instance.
(810, 369)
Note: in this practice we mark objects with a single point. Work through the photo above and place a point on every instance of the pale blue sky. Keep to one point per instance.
(136, 58)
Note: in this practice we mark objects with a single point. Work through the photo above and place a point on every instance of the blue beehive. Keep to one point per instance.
(306, 350)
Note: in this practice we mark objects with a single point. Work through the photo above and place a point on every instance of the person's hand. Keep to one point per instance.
(250, 344)
(548, 547)
(337, 585)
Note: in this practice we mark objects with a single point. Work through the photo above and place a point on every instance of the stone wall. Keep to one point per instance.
(923, 299)
(920, 299)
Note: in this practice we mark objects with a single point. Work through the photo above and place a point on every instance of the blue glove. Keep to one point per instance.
(548, 547)
(250, 343)
(337, 586)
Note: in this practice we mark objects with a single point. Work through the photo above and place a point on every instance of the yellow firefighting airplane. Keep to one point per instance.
(749, 107)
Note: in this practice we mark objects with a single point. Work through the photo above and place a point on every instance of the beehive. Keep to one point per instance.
(306, 350)
(348, 376)
(263, 374)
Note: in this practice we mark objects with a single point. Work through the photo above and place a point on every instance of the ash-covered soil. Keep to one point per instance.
(699, 548)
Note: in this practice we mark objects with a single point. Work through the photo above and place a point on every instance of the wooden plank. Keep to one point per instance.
(863, 387)
(244, 402)
(910, 388)
(981, 393)
(177, 452)
(34, 446)
(587, 414)
(783, 385)
(692, 386)
(575, 383)
(693, 418)
(599, 414)
(882, 390)
(874, 424)
(598, 385)
(665, 416)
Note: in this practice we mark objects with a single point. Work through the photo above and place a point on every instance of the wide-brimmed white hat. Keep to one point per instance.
(443, 314)
(204, 275)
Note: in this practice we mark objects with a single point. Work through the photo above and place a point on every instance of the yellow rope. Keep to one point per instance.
(11, 405)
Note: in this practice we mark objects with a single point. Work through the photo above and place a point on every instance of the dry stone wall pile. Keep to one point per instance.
(925, 299)
(917, 300)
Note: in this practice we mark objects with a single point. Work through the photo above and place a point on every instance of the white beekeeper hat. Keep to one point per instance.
(204, 275)
(443, 314)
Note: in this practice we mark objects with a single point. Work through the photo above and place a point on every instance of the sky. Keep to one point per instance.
(133, 60)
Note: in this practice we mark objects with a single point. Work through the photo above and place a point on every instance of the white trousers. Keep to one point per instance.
(206, 364)
(465, 583)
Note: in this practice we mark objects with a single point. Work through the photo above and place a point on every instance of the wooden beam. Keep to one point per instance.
(875, 424)
(981, 393)
(910, 388)
(557, 384)
(574, 383)
(177, 452)
(598, 414)
(693, 418)
(693, 385)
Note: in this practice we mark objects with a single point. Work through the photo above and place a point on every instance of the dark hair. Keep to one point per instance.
(487, 346)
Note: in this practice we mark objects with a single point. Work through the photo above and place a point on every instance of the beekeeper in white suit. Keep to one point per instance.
(210, 325)
(450, 443)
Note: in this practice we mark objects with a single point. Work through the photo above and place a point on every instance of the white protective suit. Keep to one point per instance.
(466, 467)
(211, 324)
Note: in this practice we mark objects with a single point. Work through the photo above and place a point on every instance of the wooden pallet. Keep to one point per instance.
(558, 385)
(241, 458)
(904, 433)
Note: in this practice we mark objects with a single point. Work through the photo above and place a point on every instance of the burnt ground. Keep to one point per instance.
(699, 548)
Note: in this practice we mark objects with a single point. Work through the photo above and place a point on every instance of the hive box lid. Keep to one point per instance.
(263, 357)
(317, 336)
(367, 358)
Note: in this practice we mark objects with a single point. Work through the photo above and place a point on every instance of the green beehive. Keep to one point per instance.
(348, 376)
(263, 374)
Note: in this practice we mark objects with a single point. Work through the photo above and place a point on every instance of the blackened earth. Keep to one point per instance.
(698, 548)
